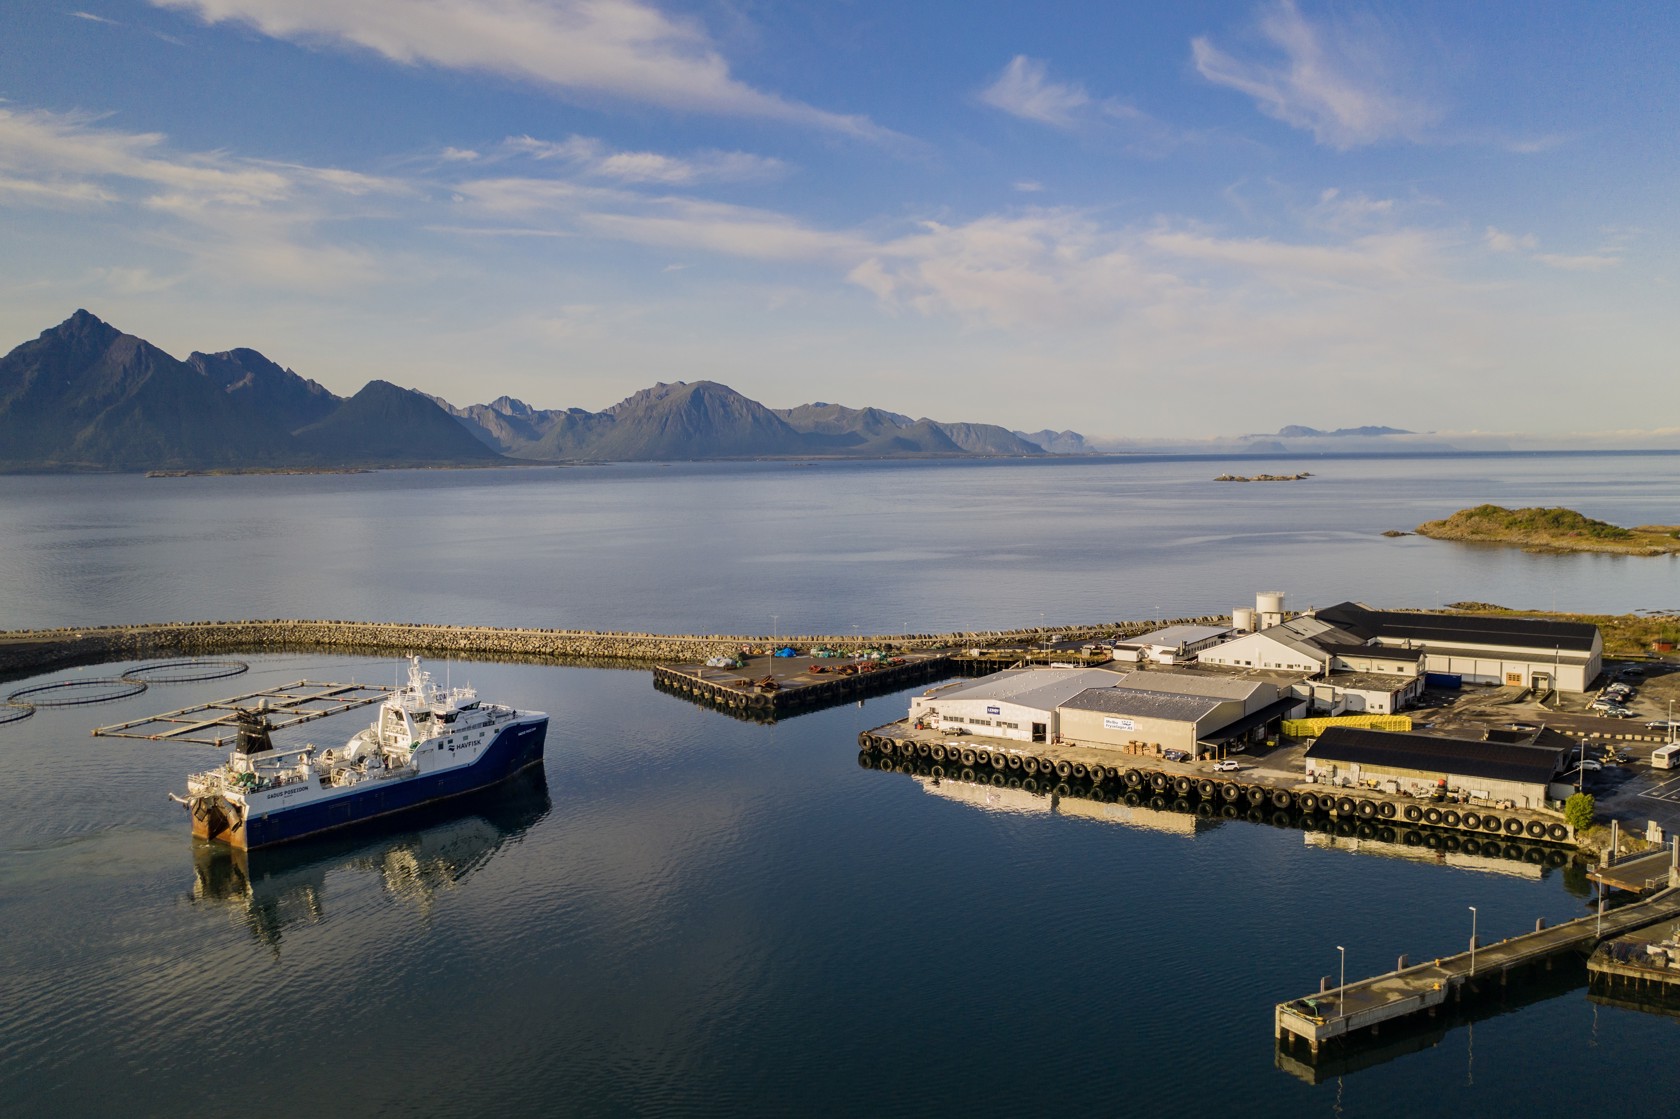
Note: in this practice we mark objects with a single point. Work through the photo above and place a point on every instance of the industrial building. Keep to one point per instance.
(1171, 645)
(1515, 773)
(1019, 703)
(1485, 649)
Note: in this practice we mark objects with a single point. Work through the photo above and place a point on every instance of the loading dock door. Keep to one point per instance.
(1040, 732)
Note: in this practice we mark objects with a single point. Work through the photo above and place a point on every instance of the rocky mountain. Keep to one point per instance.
(1296, 431)
(259, 385)
(392, 426)
(1059, 442)
(86, 396)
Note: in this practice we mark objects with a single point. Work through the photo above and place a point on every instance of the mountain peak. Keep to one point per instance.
(84, 326)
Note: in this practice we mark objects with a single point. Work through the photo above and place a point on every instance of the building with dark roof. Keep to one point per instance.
(1516, 773)
(1483, 648)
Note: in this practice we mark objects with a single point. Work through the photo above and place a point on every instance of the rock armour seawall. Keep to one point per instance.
(30, 651)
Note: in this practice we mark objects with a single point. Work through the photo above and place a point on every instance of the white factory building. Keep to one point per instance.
(1141, 712)
(1172, 645)
(1019, 703)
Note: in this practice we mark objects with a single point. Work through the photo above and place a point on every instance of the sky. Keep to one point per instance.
(1125, 218)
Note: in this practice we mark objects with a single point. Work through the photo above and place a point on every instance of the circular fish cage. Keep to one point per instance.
(15, 713)
(184, 672)
(74, 693)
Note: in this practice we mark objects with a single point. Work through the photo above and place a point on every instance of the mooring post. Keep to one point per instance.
(1402, 962)
(1539, 924)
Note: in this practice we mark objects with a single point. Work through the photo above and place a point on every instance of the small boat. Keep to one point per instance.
(426, 744)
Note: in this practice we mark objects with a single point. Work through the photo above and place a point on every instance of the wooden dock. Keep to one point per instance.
(216, 723)
(1360, 1010)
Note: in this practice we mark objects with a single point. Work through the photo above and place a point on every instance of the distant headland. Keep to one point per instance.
(1541, 529)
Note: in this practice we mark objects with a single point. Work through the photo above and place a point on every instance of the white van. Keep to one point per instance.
(1666, 757)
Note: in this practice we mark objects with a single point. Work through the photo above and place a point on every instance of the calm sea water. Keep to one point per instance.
(682, 913)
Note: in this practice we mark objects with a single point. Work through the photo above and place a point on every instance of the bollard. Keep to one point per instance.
(1401, 963)
(1323, 984)
(1539, 924)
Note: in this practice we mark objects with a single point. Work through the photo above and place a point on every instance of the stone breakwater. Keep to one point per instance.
(25, 652)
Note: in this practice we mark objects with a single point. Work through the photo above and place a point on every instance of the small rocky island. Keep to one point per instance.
(1542, 529)
(1262, 477)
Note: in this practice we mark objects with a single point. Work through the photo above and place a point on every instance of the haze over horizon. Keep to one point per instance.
(1187, 220)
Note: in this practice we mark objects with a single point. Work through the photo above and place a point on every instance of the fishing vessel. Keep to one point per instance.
(426, 744)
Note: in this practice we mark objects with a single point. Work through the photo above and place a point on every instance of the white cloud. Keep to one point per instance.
(91, 18)
(592, 157)
(1023, 91)
(621, 48)
(1501, 242)
(457, 155)
(255, 220)
(1328, 82)
(1528, 245)
(1029, 186)
(1583, 262)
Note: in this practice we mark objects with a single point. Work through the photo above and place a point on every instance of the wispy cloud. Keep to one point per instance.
(256, 219)
(91, 18)
(1024, 90)
(621, 48)
(1330, 81)
(592, 157)
(1528, 245)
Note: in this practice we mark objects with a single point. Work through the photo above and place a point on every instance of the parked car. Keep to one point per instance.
(1229, 765)
(1587, 765)
(1663, 724)
(1616, 713)
(1175, 755)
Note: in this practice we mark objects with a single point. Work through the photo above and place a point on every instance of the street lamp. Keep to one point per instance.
(1341, 991)
(775, 629)
(1472, 942)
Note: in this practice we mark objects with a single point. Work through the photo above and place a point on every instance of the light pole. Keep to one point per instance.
(1472, 942)
(775, 630)
(1341, 991)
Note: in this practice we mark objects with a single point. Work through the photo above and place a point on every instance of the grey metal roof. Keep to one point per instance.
(1041, 688)
(1178, 683)
(1460, 757)
(1174, 636)
(1146, 705)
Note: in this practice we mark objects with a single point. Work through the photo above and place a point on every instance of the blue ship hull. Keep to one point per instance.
(514, 748)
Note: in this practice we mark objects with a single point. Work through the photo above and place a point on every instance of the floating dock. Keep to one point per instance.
(1639, 971)
(764, 688)
(216, 723)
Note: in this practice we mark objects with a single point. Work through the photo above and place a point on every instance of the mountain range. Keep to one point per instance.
(86, 396)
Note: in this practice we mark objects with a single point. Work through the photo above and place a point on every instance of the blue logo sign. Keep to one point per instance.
(994, 710)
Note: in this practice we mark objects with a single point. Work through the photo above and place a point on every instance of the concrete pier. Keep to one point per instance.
(1361, 1008)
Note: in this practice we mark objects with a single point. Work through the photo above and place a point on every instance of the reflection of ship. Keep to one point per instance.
(427, 743)
(1019, 800)
(415, 855)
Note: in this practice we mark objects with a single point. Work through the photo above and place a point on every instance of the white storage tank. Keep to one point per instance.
(1269, 605)
(1242, 620)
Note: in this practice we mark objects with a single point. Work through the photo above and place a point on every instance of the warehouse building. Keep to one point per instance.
(1519, 774)
(1172, 645)
(1485, 649)
(1019, 703)
(1157, 711)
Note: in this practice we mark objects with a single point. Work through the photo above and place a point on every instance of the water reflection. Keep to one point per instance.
(415, 855)
(1187, 815)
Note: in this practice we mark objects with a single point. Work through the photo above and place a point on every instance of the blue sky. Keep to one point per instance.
(1129, 219)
